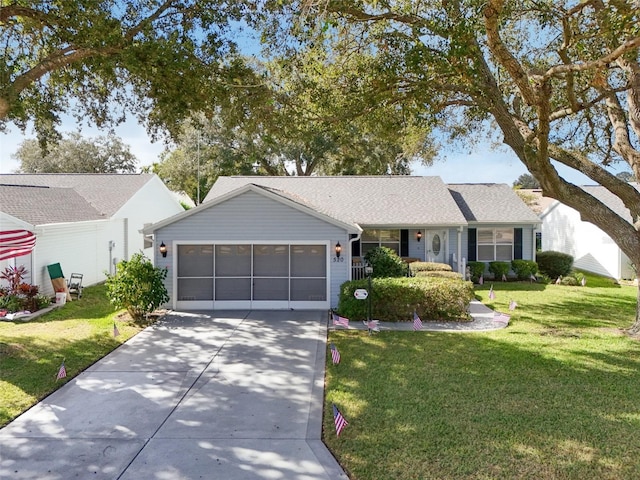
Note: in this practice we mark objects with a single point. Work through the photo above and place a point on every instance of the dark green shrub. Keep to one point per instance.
(498, 269)
(137, 286)
(524, 268)
(429, 267)
(395, 299)
(476, 269)
(439, 274)
(553, 264)
(385, 263)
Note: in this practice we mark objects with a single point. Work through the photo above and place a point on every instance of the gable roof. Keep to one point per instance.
(491, 203)
(363, 200)
(58, 205)
(274, 194)
(107, 193)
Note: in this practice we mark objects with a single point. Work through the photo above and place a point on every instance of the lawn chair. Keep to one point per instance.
(75, 284)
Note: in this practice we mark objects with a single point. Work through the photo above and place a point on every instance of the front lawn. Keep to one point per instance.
(80, 332)
(556, 395)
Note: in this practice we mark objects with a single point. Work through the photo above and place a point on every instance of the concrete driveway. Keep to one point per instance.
(216, 395)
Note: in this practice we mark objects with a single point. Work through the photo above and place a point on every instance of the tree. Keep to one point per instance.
(560, 82)
(157, 59)
(625, 176)
(526, 180)
(75, 154)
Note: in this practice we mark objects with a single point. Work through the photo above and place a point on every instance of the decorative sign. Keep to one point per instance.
(361, 294)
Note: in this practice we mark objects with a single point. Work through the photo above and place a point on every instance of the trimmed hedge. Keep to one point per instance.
(554, 264)
(476, 269)
(429, 267)
(524, 268)
(498, 269)
(439, 274)
(395, 299)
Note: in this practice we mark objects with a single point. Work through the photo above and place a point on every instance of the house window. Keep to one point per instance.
(380, 238)
(495, 244)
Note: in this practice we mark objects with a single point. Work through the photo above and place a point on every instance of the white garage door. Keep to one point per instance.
(255, 276)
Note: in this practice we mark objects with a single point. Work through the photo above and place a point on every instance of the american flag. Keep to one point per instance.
(417, 323)
(339, 420)
(583, 282)
(512, 305)
(501, 317)
(481, 280)
(492, 294)
(533, 278)
(62, 372)
(504, 277)
(559, 280)
(372, 325)
(340, 321)
(335, 354)
(116, 332)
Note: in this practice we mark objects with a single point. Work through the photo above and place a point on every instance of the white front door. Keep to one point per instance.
(436, 246)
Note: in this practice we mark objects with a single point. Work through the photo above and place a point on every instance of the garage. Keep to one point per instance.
(261, 275)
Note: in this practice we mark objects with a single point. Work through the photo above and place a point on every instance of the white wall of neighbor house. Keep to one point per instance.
(81, 247)
(251, 217)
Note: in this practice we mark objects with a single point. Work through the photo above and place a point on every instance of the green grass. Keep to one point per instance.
(80, 332)
(556, 395)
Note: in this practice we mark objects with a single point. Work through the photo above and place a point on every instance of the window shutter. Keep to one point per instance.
(355, 252)
(472, 243)
(517, 244)
(404, 243)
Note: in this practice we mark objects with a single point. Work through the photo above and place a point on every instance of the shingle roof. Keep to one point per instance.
(365, 200)
(107, 193)
(44, 205)
(491, 203)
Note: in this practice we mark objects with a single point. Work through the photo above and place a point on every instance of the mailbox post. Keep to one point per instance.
(368, 270)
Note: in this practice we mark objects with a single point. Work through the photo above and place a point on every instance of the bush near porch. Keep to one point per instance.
(395, 299)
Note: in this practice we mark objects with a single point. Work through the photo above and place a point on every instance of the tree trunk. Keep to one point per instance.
(635, 328)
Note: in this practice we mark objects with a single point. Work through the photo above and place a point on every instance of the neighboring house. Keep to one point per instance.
(290, 242)
(592, 249)
(538, 203)
(85, 222)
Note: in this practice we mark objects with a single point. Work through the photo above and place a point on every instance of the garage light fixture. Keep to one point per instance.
(338, 249)
(163, 249)
(419, 235)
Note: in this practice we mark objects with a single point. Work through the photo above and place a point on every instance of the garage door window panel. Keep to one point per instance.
(195, 261)
(233, 289)
(194, 289)
(233, 260)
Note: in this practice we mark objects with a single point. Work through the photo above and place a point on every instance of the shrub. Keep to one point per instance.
(553, 264)
(476, 269)
(395, 299)
(137, 286)
(570, 281)
(385, 263)
(439, 274)
(524, 268)
(14, 276)
(429, 267)
(498, 269)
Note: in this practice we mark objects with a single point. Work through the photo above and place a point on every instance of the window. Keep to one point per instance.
(495, 244)
(380, 238)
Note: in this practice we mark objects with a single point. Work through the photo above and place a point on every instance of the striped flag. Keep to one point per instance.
(16, 243)
(417, 323)
(372, 325)
(335, 354)
(340, 321)
(339, 420)
(583, 282)
(492, 294)
(501, 318)
(512, 305)
(481, 280)
(533, 278)
(62, 372)
(504, 277)
(116, 332)
(559, 280)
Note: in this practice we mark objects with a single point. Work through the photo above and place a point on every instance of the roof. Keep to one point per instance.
(363, 200)
(491, 203)
(534, 199)
(59, 205)
(107, 193)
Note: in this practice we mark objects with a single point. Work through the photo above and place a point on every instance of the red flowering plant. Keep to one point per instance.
(19, 295)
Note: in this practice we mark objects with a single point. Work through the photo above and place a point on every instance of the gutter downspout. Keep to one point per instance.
(460, 250)
(356, 238)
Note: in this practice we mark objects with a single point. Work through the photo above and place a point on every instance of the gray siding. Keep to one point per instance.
(251, 217)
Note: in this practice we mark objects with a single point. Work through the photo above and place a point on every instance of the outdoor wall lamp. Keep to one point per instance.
(419, 235)
(338, 249)
(163, 249)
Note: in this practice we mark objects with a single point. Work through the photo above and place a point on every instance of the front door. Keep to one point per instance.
(436, 246)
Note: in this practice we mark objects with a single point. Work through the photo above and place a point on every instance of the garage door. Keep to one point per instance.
(261, 275)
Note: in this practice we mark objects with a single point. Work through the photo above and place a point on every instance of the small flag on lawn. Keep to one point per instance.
(559, 280)
(335, 354)
(512, 305)
(583, 282)
(533, 278)
(492, 294)
(340, 321)
(339, 420)
(501, 318)
(116, 332)
(372, 325)
(481, 280)
(417, 323)
(62, 372)
(504, 277)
